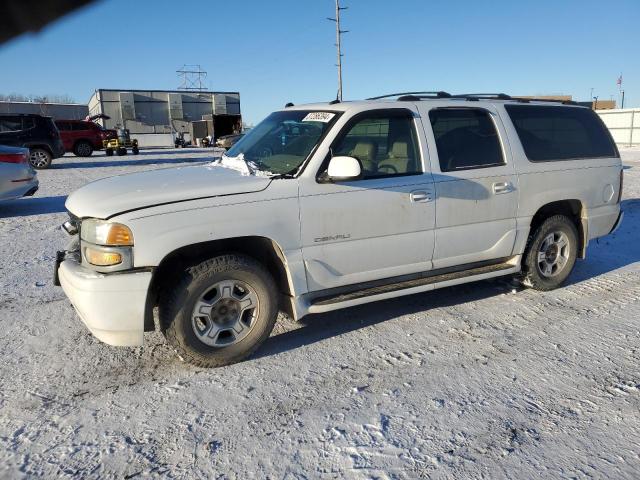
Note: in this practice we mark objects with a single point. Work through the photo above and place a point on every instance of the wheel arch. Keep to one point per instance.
(264, 250)
(572, 208)
(42, 146)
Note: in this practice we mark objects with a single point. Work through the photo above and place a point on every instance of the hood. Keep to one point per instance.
(110, 196)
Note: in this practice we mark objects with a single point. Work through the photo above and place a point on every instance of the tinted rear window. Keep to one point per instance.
(465, 138)
(560, 133)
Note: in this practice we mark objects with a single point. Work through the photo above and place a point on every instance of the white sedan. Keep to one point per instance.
(17, 177)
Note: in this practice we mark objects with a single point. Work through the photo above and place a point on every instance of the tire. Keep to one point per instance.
(135, 150)
(551, 253)
(203, 286)
(83, 149)
(39, 158)
(109, 152)
(121, 151)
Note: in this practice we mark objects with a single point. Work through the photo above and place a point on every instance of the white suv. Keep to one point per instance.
(331, 205)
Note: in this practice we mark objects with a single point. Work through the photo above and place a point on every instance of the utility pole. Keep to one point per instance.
(339, 46)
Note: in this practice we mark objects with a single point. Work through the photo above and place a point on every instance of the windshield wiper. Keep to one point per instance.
(283, 175)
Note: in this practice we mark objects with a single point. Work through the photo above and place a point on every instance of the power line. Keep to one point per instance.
(192, 77)
(338, 45)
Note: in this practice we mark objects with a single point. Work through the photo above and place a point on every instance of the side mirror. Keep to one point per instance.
(342, 169)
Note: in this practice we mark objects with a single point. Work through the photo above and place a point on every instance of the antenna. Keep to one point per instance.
(192, 77)
(338, 45)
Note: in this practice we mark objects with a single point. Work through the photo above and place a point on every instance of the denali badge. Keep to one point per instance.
(333, 237)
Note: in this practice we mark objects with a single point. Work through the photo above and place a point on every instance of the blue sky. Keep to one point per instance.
(282, 50)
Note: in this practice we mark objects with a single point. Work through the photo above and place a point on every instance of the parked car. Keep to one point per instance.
(37, 133)
(17, 176)
(228, 141)
(331, 205)
(83, 137)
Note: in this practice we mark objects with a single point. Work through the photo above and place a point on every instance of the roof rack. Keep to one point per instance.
(414, 95)
(483, 96)
(504, 96)
(550, 100)
(471, 97)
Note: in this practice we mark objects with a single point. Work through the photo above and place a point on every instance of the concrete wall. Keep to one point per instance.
(59, 111)
(624, 124)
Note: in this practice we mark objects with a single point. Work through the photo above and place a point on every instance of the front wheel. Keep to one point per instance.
(109, 152)
(220, 311)
(83, 149)
(551, 253)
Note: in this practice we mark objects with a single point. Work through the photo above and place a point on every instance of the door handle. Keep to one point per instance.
(502, 187)
(420, 196)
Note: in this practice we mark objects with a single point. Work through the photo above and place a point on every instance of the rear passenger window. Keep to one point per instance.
(79, 127)
(560, 133)
(465, 138)
(384, 142)
(10, 124)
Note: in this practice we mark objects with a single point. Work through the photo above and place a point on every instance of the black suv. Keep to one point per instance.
(37, 133)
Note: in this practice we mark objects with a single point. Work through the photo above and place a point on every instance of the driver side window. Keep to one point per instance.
(385, 143)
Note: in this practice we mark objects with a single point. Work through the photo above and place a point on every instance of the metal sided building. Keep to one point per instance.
(58, 111)
(154, 116)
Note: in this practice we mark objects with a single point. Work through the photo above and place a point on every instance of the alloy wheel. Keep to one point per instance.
(553, 254)
(225, 313)
(38, 158)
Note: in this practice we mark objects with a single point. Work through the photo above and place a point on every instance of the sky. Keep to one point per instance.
(283, 50)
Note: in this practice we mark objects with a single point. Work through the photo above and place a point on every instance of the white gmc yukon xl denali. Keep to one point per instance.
(331, 205)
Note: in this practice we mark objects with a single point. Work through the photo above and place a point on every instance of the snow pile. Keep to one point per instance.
(240, 164)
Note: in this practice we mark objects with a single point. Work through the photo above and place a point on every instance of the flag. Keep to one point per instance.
(619, 82)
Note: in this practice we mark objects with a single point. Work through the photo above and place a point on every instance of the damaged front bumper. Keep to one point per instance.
(112, 306)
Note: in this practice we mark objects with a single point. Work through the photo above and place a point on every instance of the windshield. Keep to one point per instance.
(282, 141)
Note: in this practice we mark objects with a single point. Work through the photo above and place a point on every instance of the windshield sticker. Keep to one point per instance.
(323, 117)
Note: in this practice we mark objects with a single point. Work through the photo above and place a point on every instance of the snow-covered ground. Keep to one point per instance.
(467, 382)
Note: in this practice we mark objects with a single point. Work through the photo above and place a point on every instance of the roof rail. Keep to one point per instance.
(417, 95)
(550, 100)
(504, 96)
(487, 96)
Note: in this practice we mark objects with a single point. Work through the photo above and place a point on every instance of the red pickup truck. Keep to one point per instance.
(83, 137)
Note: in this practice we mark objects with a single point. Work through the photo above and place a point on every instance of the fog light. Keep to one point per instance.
(100, 258)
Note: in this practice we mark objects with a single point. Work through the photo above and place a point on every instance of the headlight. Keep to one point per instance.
(98, 257)
(101, 232)
(106, 246)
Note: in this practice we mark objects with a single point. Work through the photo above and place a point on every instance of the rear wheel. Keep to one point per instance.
(551, 253)
(220, 311)
(83, 149)
(39, 158)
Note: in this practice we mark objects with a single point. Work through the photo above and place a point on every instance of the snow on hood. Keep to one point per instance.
(243, 166)
(236, 163)
(110, 196)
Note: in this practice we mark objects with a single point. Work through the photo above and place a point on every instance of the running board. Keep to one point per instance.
(418, 285)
